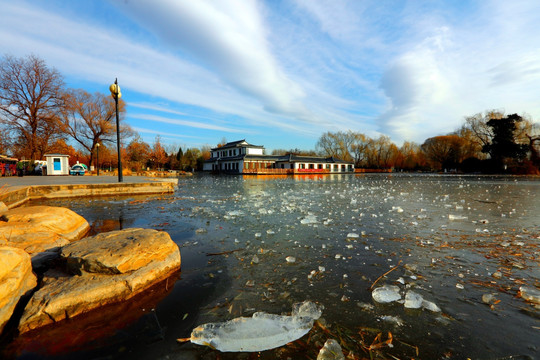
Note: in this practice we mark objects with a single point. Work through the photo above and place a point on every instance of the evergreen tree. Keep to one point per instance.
(179, 154)
(503, 143)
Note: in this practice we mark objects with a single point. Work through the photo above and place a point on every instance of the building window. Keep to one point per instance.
(320, 166)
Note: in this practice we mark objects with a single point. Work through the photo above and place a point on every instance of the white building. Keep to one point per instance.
(240, 157)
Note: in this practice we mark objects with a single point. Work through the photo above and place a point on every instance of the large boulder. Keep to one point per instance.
(38, 228)
(101, 270)
(16, 280)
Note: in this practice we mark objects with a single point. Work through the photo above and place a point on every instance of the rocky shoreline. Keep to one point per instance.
(51, 271)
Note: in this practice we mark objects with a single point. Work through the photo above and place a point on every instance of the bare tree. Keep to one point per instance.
(338, 144)
(30, 99)
(91, 118)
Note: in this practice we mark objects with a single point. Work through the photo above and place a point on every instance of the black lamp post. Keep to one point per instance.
(116, 94)
(97, 158)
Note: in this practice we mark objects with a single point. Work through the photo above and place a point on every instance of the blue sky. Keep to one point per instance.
(281, 73)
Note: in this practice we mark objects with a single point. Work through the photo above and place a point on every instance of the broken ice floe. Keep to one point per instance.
(386, 294)
(530, 294)
(331, 351)
(310, 219)
(456, 217)
(413, 300)
(390, 293)
(260, 332)
(290, 259)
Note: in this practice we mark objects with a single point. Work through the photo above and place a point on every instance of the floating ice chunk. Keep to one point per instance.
(392, 319)
(456, 217)
(255, 259)
(397, 209)
(290, 259)
(413, 300)
(488, 298)
(310, 219)
(200, 231)
(530, 294)
(258, 235)
(270, 232)
(352, 235)
(386, 294)
(331, 351)
(260, 332)
(428, 305)
(235, 213)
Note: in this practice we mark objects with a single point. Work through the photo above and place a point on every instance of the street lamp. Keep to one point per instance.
(97, 158)
(116, 94)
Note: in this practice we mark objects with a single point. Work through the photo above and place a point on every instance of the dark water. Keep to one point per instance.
(442, 236)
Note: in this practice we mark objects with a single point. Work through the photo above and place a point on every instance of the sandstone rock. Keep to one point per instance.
(38, 228)
(118, 252)
(113, 267)
(3, 207)
(16, 279)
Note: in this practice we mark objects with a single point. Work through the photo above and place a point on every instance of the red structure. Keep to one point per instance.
(8, 166)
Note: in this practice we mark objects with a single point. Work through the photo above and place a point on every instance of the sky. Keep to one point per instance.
(282, 73)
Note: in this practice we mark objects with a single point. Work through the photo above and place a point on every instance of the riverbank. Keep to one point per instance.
(15, 191)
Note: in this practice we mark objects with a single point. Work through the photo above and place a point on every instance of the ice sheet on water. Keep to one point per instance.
(260, 332)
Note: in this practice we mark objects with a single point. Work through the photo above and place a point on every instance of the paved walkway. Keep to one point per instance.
(15, 181)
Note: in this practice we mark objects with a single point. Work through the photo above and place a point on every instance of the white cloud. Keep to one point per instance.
(459, 70)
(229, 38)
(193, 124)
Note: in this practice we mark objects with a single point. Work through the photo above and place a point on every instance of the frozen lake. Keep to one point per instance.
(465, 243)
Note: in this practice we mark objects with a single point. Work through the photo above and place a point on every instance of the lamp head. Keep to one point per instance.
(115, 91)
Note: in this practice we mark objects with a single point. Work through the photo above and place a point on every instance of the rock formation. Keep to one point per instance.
(16, 280)
(35, 229)
(100, 270)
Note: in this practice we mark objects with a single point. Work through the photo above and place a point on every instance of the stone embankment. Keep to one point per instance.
(16, 196)
(87, 272)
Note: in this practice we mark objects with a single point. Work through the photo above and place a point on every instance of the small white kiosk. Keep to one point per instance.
(57, 164)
